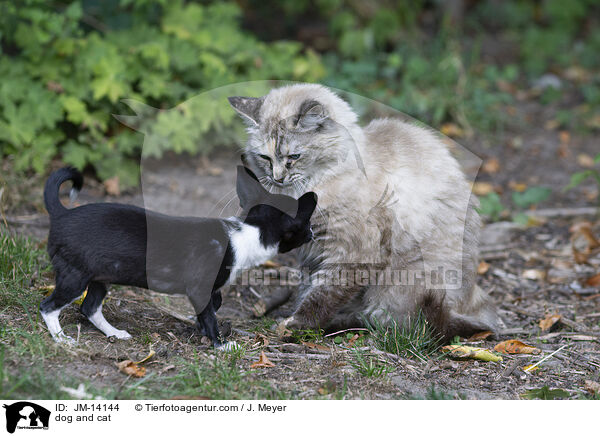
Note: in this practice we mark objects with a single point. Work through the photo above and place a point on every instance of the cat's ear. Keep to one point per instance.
(247, 107)
(311, 115)
(249, 190)
(306, 206)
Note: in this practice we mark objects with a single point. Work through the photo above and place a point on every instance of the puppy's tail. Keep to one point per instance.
(57, 178)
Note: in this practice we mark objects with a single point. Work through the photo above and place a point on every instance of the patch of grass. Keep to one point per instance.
(264, 325)
(434, 393)
(35, 383)
(219, 378)
(26, 340)
(415, 338)
(308, 335)
(545, 393)
(368, 365)
(21, 265)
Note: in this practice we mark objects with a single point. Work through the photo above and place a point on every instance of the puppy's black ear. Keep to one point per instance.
(249, 190)
(306, 206)
(247, 107)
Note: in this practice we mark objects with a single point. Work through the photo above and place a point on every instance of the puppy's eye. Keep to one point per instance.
(265, 157)
(288, 235)
(294, 156)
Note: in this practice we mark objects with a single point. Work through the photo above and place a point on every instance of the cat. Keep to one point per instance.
(94, 245)
(392, 200)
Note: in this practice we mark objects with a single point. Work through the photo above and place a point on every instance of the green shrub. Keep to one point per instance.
(66, 66)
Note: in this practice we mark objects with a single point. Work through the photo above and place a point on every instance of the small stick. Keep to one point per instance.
(546, 358)
(347, 330)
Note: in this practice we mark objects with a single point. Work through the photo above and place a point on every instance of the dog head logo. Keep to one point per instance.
(26, 415)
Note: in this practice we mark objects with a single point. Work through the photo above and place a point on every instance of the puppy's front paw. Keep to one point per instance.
(121, 334)
(61, 338)
(228, 346)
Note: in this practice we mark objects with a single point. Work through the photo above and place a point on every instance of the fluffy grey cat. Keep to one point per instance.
(395, 229)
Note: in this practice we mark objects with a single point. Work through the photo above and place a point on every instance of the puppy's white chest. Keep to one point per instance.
(248, 251)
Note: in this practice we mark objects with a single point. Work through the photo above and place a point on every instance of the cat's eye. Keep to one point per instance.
(294, 156)
(265, 157)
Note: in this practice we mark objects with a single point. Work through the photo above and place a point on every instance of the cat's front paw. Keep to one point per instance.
(287, 325)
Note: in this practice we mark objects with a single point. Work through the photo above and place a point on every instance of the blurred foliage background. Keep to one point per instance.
(457, 65)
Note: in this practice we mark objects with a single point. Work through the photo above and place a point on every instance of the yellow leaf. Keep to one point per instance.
(514, 346)
(451, 129)
(148, 357)
(131, 368)
(466, 352)
(531, 367)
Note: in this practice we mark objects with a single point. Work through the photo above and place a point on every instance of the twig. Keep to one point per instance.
(564, 212)
(546, 358)
(281, 355)
(347, 330)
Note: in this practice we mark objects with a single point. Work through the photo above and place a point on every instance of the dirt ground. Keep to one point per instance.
(530, 272)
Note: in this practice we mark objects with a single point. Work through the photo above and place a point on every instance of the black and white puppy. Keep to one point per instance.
(94, 245)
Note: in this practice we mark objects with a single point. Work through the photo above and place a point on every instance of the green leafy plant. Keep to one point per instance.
(491, 206)
(580, 176)
(531, 196)
(66, 66)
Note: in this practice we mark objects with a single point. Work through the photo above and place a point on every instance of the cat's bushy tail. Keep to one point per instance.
(57, 178)
(448, 323)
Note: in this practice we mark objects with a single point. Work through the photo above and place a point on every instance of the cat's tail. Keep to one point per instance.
(448, 323)
(57, 178)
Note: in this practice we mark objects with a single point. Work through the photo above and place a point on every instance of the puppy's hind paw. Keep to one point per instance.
(121, 334)
(228, 346)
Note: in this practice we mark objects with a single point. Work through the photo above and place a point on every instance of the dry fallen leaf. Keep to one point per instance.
(263, 362)
(593, 281)
(112, 186)
(479, 336)
(483, 267)
(466, 352)
(534, 274)
(482, 188)
(315, 346)
(131, 368)
(514, 346)
(585, 160)
(516, 186)
(491, 166)
(452, 130)
(352, 340)
(532, 367)
(271, 264)
(549, 321)
(593, 387)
